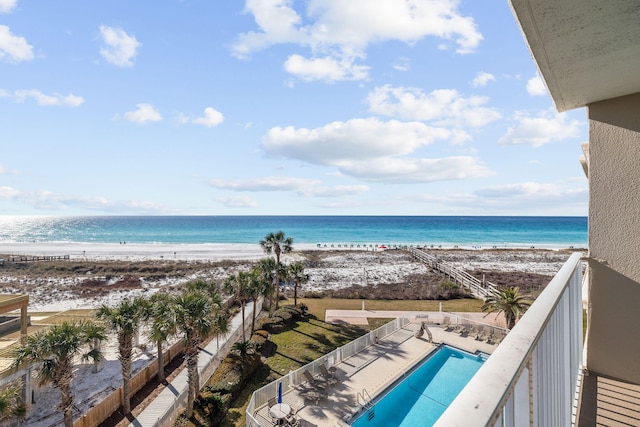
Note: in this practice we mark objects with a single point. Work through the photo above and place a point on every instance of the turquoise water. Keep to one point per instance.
(424, 230)
(421, 398)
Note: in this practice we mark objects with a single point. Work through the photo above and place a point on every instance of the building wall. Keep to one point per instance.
(613, 338)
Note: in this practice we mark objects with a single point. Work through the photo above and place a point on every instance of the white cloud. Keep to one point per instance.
(443, 106)
(302, 186)
(394, 170)
(120, 48)
(14, 48)
(48, 100)
(354, 139)
(482, 79)
(512, 199)
(342, 31)
(547, 127)
(530, 194)
(144, 113)
(211, 118)
(7, 6)
(535, 86)
(402, 64)
(6, 171)
(237, 202)
(327, 68)
(333, 191)
(48, 200)
(8, 192)
(271, 183)
(373, 150)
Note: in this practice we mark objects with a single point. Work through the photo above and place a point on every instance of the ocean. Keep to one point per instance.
(446, 231)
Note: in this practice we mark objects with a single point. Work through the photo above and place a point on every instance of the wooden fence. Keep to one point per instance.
(25, 258)
(103, 410)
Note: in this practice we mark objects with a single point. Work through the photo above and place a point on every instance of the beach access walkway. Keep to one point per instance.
(479, 288)
(166, 407)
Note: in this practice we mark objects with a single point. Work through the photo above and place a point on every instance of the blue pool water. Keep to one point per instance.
(422, 397)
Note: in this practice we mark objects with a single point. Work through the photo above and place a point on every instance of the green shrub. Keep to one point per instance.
(315, 294)
(262, 333)
(271, 323)
(447, 290)
(284, 314)
(259, 339)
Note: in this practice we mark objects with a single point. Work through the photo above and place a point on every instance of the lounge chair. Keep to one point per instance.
(464, 330)
(459, 328)
(305, 423)
(316, 382)
(446, 322)
(315, 395)
(331, 378)
(479, 333)
(498, 336)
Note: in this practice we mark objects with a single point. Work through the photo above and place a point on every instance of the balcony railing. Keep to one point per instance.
(531, 378)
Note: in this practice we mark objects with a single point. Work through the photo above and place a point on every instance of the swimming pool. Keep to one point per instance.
(423, 396)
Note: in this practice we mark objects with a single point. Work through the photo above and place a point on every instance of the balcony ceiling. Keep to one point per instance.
(586, 50)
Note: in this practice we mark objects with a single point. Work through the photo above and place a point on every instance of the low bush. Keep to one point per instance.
(259, 339)
(225, 385)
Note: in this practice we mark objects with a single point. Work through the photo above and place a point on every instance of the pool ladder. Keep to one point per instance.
(366, 403)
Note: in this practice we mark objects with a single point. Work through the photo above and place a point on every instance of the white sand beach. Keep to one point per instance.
(328, 268)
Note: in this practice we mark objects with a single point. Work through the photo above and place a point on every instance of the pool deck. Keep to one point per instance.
(373, 369)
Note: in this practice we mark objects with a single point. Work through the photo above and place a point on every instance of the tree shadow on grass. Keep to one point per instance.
(351, 331)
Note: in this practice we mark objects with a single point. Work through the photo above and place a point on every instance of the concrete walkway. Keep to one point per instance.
(165, 408)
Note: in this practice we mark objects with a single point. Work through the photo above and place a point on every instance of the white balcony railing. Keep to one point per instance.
(530, 379)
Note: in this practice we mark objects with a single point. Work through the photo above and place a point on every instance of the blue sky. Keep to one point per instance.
(276, 107)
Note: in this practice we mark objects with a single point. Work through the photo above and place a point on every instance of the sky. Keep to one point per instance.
(279, 107)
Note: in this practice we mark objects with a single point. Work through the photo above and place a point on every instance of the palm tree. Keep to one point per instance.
(299, 277)
(125, 318)
(277, 244)
(56, 348)
(220, 325)
(11, 404)
(507, 301)
(267, 276)
(240, 285)
(162, 315)
(208, 287)
(195, 314)
(257, 288)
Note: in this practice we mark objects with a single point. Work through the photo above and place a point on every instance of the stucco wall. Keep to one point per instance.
(614, 238)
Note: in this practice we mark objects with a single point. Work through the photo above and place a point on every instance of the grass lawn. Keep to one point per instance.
(317, 306)
(309, 339)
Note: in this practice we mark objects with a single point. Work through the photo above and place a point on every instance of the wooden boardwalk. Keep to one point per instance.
(30, 258)
(479, 288)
